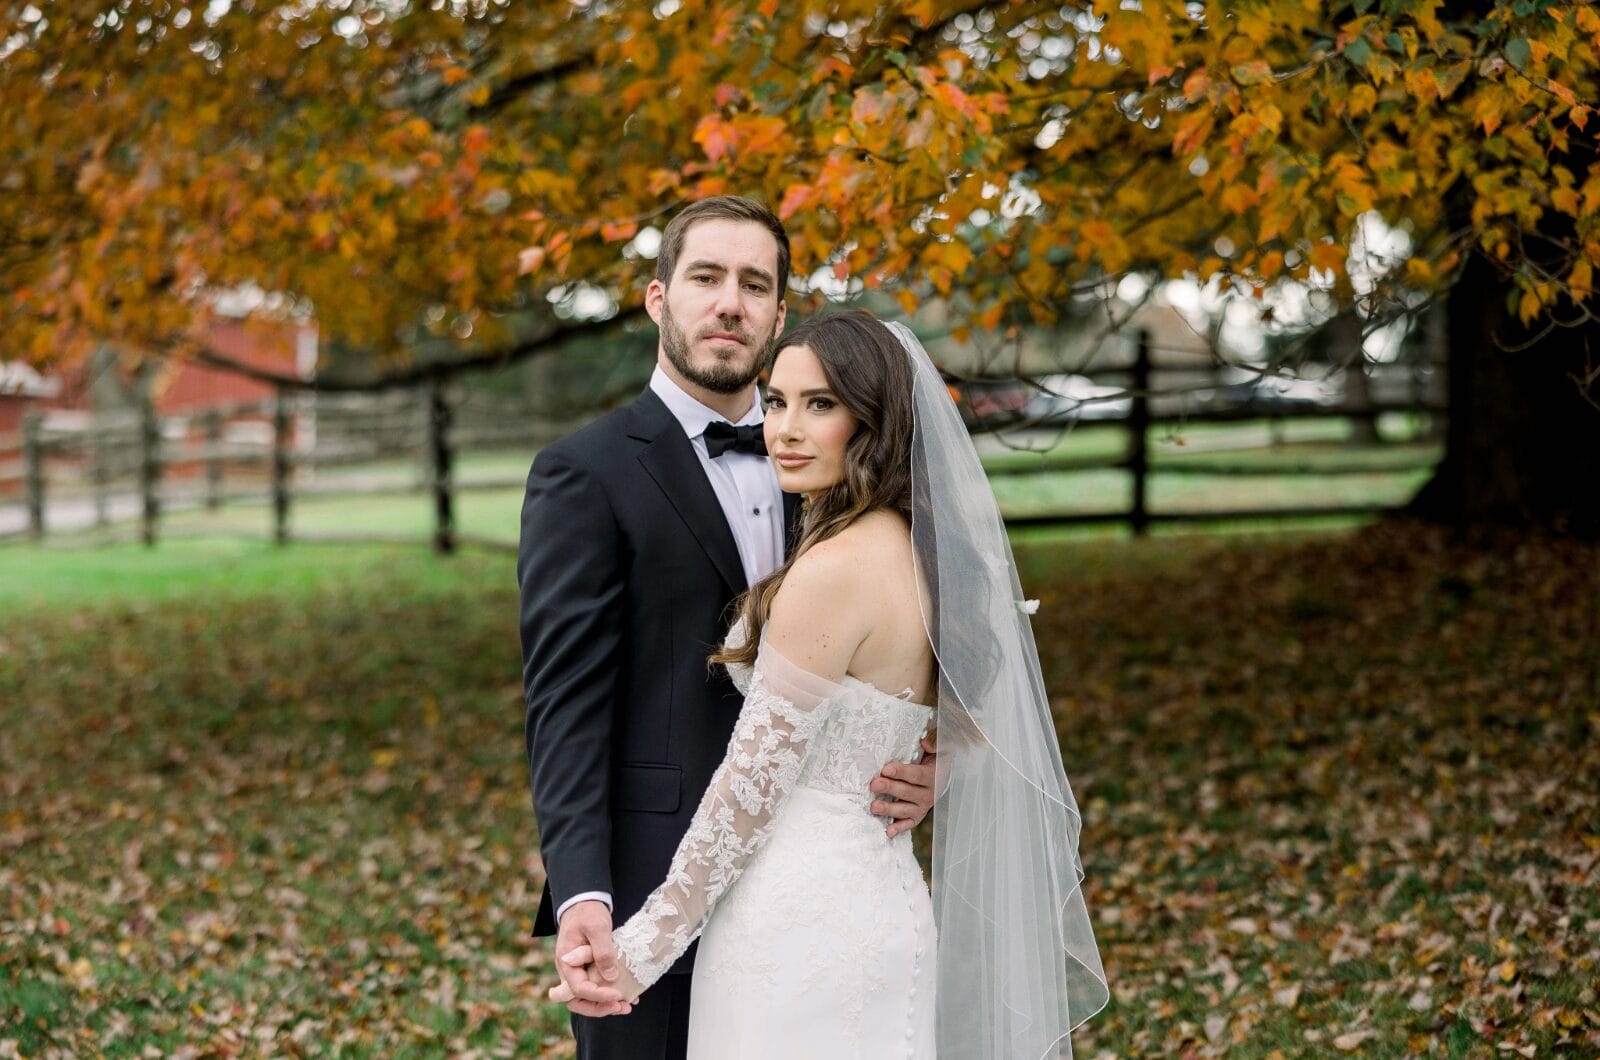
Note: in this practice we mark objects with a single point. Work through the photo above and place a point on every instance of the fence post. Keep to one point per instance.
(444, 534)
(149, 461)
(1138, 437)
(100, 470)
(213, 432)
(280, 467)
(33, 469)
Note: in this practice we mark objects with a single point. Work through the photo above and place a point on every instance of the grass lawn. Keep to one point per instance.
(261, 801)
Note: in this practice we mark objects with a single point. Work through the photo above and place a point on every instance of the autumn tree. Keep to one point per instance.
(457, 172)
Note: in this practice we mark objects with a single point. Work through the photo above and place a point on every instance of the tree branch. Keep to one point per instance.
(413, 375)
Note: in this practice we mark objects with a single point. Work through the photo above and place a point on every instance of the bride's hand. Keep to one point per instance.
(626, 985)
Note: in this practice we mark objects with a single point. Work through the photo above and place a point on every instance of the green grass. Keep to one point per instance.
(259, 801)
(63, 577)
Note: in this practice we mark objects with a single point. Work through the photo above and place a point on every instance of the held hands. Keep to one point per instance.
(624, 985)
(591, 976)
(909, 788)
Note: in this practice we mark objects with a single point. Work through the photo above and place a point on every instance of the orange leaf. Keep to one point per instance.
(795, 198)
(715, 136)
(1328, 257)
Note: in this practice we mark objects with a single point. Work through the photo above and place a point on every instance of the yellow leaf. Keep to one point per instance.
(1237, 198)
(1580, 281)
(1362, 98)
(1527, 309)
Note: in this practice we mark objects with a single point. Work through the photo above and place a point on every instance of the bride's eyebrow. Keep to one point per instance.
(814, 392)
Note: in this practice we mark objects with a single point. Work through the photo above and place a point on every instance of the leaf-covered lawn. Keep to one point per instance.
(1339, 796)
(1338, 792)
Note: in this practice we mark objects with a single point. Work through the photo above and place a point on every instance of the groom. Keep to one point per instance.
(638, 531)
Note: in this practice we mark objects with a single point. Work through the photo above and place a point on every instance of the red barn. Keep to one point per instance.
(20, 388)
(283, 349)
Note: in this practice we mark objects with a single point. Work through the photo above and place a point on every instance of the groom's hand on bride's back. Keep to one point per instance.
(589, 924)
(905, 791)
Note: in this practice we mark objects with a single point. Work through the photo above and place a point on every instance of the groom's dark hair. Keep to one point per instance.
(721, 208)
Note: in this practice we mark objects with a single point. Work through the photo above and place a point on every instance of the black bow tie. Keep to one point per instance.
(721, 436)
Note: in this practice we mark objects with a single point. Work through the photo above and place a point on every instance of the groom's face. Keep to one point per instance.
(722, 310)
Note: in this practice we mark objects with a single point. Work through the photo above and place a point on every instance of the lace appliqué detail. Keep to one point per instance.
(764, 759)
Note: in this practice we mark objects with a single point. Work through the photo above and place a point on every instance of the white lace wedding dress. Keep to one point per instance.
(817, 933)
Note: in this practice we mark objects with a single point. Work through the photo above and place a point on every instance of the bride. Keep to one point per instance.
(818, 936)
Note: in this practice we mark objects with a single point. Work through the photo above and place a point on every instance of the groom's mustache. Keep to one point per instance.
(729, 328)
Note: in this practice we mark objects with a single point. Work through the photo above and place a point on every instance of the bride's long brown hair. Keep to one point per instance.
(870, 372)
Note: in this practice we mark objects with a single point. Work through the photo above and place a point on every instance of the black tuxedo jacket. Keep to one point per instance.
(627, 569)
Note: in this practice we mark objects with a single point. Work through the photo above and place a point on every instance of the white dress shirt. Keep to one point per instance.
(747, 489)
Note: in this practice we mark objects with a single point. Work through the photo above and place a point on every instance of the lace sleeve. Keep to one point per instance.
(784, 710)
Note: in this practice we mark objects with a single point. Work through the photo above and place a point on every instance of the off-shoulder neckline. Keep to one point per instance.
(903, 697)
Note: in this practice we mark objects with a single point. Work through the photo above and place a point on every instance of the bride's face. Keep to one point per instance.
(807, 426)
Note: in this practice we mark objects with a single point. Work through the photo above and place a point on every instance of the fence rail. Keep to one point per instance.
(298, 447)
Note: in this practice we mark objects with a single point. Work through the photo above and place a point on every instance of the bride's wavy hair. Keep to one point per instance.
(870, 372)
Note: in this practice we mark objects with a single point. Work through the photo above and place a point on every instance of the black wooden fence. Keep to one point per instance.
(141, 465)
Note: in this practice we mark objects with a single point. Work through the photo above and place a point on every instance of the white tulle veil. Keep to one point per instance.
(1018, 964)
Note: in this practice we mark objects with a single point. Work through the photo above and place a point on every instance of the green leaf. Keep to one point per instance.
(1518, 53)
(1359, 52)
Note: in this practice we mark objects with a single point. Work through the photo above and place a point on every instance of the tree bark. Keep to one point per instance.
(1522, 447)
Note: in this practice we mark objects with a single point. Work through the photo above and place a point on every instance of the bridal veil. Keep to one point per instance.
(1018, 966)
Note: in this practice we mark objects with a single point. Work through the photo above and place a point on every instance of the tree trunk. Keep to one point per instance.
(1522, 447)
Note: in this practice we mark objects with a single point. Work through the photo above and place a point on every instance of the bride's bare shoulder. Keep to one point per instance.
(862, 548)
(852, 563)
(838, 591)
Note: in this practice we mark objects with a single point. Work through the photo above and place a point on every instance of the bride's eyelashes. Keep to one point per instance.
(816, 404)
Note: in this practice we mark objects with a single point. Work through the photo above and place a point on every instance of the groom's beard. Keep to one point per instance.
(720, 376)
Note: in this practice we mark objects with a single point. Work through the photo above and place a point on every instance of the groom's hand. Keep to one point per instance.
(910, 790)
(589, 924)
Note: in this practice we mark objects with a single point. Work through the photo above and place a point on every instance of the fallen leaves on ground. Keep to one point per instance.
(1339, 795)
(1338, 800)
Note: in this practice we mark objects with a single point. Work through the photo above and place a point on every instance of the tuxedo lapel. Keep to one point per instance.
(670, 460)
